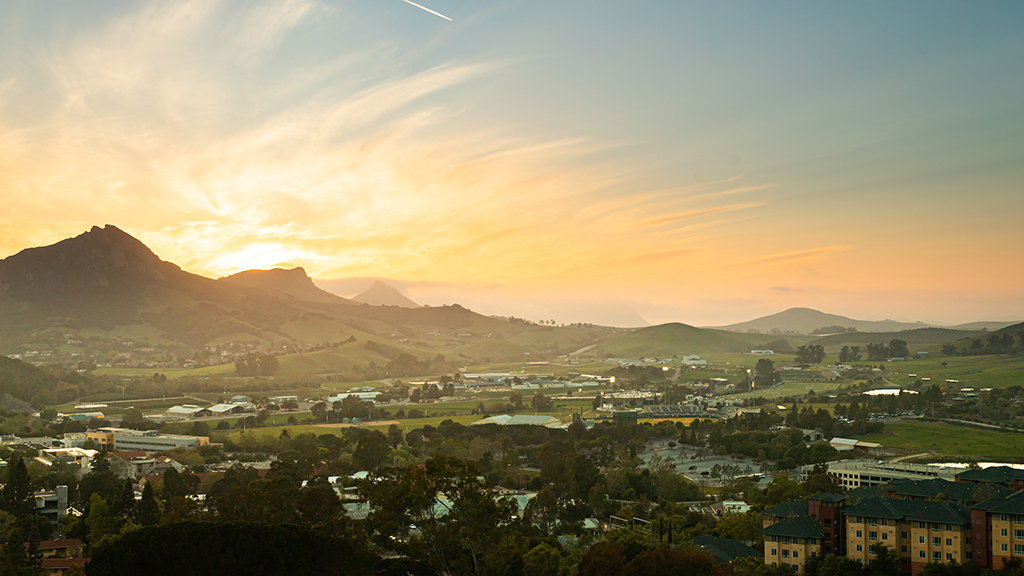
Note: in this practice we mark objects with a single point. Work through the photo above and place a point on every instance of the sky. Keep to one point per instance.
(610, 162)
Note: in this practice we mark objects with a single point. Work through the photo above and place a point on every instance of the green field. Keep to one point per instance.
(952, 443)
(996, 371)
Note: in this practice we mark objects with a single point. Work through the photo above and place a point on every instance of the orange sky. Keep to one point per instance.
(371, 140)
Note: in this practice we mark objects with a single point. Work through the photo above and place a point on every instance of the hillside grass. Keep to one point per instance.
(996, 371)
(949, 442)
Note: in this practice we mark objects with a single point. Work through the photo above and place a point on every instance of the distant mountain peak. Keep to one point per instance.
(293, 282)
(381, 294)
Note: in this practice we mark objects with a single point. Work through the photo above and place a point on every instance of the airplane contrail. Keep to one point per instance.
(428, 10)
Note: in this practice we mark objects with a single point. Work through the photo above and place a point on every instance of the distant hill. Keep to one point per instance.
(380, 294)
(806, 320)
(294, 284)
(916, 339)
(676, 339)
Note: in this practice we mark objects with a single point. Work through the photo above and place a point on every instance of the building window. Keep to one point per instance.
(936, 556)
(949, 528)
(921, 553)
(813, 541)
(1018, 548)
(885, 535)
(828, 524)
(920, 525)
(904, 562)
(903, 534)
(873, 522)
(949, 541)
(936, 527)
(773, 552)
(872, 535)
(921, 539)
(860, 534)
(1018, 519)
(1018, 534)
(860, 548)
(948, 556)
(785, 553)
(1004, 547)
(936, 541)
(796, 553)
(1002, 531)
(903, 549)
(1003, 518)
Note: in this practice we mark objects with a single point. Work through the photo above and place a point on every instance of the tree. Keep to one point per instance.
(765, 374)
(541, 403)
(810, 354)
(149, 509)
(464, 528)
(17, 489)
(898, 349)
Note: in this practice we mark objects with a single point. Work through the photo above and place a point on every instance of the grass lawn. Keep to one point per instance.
(954, 442)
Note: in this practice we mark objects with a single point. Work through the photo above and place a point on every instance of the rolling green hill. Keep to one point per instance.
(677, 339)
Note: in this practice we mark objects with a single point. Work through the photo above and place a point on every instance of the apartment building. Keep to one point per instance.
(997, 530)
(920, 532)
(792, 541)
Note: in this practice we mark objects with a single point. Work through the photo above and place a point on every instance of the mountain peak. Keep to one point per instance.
(293, 282)
(381, 294)
(101, 258)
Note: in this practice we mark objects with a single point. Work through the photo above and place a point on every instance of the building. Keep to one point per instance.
(52, 504)
(965, 493)
(997, 530)
(136, 464)
(121, 439)
(186, 412)
(918, 531)
(725, 550)
(1004, 475)
(848, 444)
(792, 541)
(857, 473)
(520, 420)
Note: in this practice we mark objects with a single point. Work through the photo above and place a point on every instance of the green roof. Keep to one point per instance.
(789, 509)
(958, 491)
(994, 474)
(1012, 504)
(800, 527)
(912, 510)
(827, 497)
(725, 549)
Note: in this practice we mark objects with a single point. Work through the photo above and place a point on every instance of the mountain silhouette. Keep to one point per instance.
(380, 294)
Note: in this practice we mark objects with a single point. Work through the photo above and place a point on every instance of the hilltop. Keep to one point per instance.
(380, 294)
(676, 339)
(294, 284)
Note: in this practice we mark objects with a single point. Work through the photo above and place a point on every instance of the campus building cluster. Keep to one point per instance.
(918, 515)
